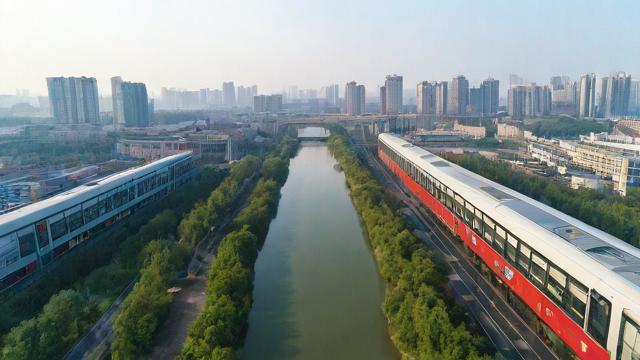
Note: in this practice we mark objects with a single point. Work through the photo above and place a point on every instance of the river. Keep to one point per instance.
(317, 293)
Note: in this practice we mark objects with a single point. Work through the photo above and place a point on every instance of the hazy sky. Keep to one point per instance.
(277, 43)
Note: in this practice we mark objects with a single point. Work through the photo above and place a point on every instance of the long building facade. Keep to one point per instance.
(529, 101)
(35, 235)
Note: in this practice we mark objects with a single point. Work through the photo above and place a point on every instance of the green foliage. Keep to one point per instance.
(142, 311)
(604, 210)
(195, 225)
(287, 147)
(567, 127)
(420, 316)
(261, 208)
(40, 152)
(48, 336)
(275, 168)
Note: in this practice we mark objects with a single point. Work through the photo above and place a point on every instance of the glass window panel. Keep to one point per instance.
(556, 283)
(538, 269)
(524, 258)
(459, 205)
(489, 226)
(499, 239)
(75, 220)
(599, 315)
(58, 228)
(477, 222)
(42, 233)
(576, 300)
(27, 242)
(512, 247)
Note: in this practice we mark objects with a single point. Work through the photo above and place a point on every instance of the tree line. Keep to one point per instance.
(196, 224)
(567, 127)
(93, 276)
(424, 322)
(221, 326)
(603, 209)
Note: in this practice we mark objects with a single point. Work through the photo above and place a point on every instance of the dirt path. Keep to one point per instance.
(187, 303)
(184, 310)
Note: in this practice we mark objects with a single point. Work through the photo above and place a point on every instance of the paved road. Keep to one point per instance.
(512, 337)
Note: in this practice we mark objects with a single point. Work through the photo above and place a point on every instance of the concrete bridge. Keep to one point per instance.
(375, 123)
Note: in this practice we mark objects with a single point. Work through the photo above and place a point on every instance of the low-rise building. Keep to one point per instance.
(622, 168)
(509, 131)
(476, 132)
(207, 146)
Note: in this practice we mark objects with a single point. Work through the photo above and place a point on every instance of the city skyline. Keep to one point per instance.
(178, 46)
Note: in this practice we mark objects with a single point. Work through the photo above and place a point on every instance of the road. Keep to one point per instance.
(510, 334)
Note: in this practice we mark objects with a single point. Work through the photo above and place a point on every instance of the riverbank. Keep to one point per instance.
(219, 329)
(317, 292)
(423, 320)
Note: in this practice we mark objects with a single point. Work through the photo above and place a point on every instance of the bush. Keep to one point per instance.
(196, 224)
(142, 311)
(64, 319)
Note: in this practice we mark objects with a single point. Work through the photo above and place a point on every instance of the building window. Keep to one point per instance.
(42, 233)
(58, 228)
(75, 220)
(27, 242)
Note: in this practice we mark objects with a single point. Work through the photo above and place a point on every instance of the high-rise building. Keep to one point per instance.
(354, 98)
(383, 100)
(204, 97)
(228, 94)
(116, 99)
(618, 94)
(245, 95)
(130, 103)
(587, 95)
(563, 92)
(458, 93)
(558, 82)
(426, 98)
(600, 100)
(441, 97)
(292, 94)
(515, 80)
(332, 93)
(529, 101)
(74, 100)
(634, 98)
(475, 101)
(490, 96)
(267, 103)
(393, 94)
